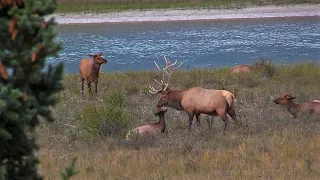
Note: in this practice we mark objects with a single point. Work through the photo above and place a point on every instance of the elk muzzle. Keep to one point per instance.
(276, 101)
(161, 103)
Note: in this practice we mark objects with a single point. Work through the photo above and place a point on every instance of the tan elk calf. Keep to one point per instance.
(150, 129)
(89, 71)
(312, 107)
(241, 68)
(197, 100)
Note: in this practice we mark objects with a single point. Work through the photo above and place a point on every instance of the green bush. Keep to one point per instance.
(115, 99)
(108, 120)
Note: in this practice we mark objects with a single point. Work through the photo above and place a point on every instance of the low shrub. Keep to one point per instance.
(109, 119)
(265, 67)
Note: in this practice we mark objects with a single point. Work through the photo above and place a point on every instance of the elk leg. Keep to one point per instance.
(190, 114)
(89, 87)
(226, 121)
(96, 87)
(234, 117)
(198, 119)
(210, 121)
(82, 87)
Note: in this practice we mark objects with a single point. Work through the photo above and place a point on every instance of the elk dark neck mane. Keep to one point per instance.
(161, 122)
(175, 97)
(292, 104)
(96, 69)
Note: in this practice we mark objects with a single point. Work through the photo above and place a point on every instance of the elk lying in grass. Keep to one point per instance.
(196, 100)
(312, 107)
(89, 71)
(151, 129)
(241, 68)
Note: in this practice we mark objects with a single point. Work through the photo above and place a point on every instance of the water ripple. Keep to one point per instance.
(134, 46)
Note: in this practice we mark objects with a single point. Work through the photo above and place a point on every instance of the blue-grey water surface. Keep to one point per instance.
(203, 44)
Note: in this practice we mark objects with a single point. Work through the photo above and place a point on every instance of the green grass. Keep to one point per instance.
(272, 146)
(118, 5)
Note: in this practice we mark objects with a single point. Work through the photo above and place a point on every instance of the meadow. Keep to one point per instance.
(272, 145)
(120, 5)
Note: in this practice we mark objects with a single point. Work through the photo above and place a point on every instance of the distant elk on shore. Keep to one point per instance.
(195, 101)
(241, 69)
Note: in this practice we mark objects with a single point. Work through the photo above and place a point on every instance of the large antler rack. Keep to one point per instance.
(164, 72)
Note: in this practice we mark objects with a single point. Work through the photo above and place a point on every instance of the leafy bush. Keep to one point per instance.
(115, 99)
(109, 119)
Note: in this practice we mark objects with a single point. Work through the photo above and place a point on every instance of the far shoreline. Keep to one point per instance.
(163, 15)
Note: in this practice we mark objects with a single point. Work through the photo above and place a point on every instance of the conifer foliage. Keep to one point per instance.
(27, 86)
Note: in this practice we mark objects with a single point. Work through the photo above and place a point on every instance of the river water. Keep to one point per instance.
(199, 44)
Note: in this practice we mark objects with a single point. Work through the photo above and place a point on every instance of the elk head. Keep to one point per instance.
(98, 59)
(164, 90)
(160, 111)
(284, 99)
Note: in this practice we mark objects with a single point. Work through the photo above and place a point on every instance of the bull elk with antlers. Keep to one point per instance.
(89, 71)
(196, 100)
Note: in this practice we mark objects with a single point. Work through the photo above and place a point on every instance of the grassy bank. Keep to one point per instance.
(273, 146)
(120, 5)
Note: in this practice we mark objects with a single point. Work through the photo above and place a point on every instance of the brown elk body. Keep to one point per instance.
(241, 68)
(197, 100)
(312, 107)
(150, 129)
(89, 71)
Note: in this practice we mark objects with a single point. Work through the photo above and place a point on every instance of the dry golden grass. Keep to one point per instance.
(272, 146)
(281, 155)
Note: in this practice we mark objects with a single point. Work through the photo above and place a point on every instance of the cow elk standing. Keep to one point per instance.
(89, 71)
(196, 100)
(312, 107)
(151, 129)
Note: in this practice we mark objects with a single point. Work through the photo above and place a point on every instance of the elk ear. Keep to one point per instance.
(292, 97)
(93, 56)
(167, 90)
(289, 96)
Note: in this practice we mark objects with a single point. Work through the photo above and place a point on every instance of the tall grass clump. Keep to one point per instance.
(108, 119)
(265, 67)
